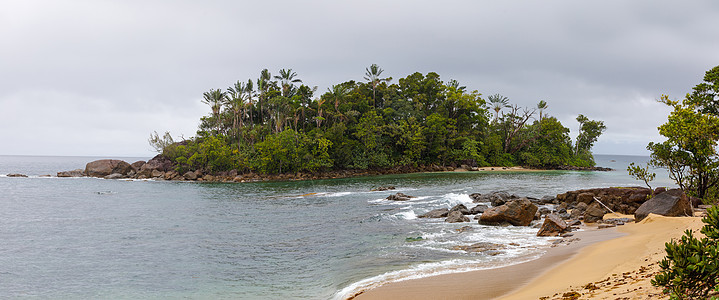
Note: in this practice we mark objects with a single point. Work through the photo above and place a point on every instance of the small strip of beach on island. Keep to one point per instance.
(615, 263)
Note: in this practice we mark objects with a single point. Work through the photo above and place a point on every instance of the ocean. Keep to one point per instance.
(321, 239)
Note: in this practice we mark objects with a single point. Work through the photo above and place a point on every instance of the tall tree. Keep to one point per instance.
(372, 76)
(542, 105)
(338, 92)
(250, 92)
(498, 102)
(235, 100)
(287, 79)
(214, 98)
(589, 132)
(689, 153)
(263, 84)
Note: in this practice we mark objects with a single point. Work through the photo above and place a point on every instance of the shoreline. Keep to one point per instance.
(489, 283)
(603, 264)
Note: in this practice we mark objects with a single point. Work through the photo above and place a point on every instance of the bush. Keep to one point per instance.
(691, 268)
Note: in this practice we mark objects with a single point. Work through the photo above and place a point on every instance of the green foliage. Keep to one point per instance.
(641, 173)
(691, 268)
(689, 153)
(160, 143)
(276, 124)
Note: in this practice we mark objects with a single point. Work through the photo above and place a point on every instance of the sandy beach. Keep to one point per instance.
(616, 263)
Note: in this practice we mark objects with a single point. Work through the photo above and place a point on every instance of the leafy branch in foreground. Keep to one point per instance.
(691, 268)
(641, 173)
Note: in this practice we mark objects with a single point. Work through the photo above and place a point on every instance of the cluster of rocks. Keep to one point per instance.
(563, 213)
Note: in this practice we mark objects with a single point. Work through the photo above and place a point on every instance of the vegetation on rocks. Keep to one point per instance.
(277, 124)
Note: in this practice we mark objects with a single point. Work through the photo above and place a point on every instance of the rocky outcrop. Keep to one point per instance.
(154, 167)
(623, 200)
(672, 203)
(137, 165)
(16, 175)
(400, 197)
(553, 226)
(518, 212)
(104, 167)
(73, 173)
(436, 213)
(460, 208)
(456, 217)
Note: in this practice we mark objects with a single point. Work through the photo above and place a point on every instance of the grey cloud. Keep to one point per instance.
(140, 66)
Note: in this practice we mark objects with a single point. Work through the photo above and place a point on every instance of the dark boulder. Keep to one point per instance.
(518, 212)
(377, 189)
(190, 175)
(578, 210)
(499, 198)
(672, 203)
(104, 167)
(480, 208)
(456, 217)
(553, 226)
(399, 197)
(436, 213)
(476, 197)
(460, 208)
(593, 213)
(16, 175)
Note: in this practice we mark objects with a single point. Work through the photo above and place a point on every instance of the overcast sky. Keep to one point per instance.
(97, 77)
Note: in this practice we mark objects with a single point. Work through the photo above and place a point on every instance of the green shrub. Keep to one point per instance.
(691, 268)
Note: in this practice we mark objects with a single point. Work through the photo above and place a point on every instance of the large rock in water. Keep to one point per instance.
(518, 212)
(672, 203)
(553, 226)
(436, 213)
(104, 167)
(456, 217)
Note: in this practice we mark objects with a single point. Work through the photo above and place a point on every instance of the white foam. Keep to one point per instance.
(406, 215)
(419, 271)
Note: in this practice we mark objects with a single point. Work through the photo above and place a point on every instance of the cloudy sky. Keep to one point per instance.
(97, 77)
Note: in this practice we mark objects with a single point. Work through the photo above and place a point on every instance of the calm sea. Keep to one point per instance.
(322, 239)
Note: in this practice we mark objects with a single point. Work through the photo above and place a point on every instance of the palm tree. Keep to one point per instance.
(215, 98)
(455, 84)
(338, 92)
(235, 100)
(372, 75)
(250, 91)
(263, 84)
(498, 102)
(542, 105)
(287, 78)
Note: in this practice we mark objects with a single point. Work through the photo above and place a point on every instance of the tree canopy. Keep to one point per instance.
(284, 126)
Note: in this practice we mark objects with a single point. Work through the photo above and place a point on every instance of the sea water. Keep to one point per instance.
(320, 239)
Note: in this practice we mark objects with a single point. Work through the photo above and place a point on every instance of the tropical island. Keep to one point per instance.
(277, 125)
